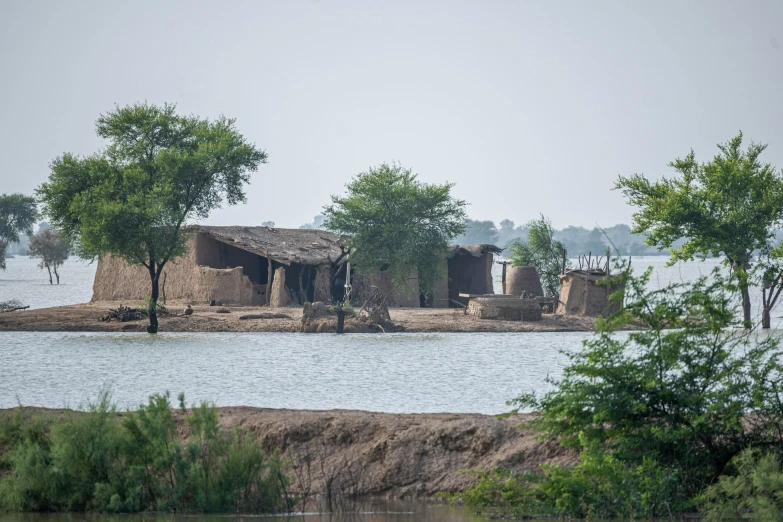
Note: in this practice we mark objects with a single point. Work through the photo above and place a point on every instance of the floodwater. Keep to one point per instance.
(23, 280)
(396, 373)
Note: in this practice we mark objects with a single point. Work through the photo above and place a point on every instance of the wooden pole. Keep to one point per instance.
(504, 276)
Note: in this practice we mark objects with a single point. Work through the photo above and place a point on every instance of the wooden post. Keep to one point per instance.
(504, 277)
(269, 274)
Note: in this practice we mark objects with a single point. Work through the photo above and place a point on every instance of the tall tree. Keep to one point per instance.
(159, 172)
(52, 249)
(724, 207)
(18, 214)
(395, 222)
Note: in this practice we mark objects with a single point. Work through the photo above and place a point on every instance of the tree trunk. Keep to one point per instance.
(766, 319)
(153, 304)
(50, 274)
(745, 304)
(742, 281)
(56, 274)
(340, 321)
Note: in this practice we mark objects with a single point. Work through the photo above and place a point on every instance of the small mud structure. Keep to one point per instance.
(506, 308)
(523, 281)
(586, 292)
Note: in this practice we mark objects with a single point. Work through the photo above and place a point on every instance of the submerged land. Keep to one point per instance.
(86, 318)
(395, 455)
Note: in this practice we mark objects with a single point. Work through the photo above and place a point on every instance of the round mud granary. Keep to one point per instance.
(523, 280)
(506, 308)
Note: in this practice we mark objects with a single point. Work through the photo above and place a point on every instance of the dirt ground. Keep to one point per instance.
(86, 318)
(384, 454)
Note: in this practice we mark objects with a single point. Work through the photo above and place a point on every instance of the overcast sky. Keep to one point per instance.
(529, 107)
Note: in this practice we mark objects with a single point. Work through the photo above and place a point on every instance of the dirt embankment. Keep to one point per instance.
(394, 455)
(85, 318)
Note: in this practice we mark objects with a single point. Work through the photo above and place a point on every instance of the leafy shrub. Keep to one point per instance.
(657, 414)
(754, 493)
(104, 461)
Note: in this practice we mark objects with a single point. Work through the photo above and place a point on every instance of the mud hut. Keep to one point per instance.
(586, 292)
(234, 265)
(470, 272)
(237, 265)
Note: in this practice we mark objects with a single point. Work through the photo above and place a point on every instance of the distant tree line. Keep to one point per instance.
(577, 240)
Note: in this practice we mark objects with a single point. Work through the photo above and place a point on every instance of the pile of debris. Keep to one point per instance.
(124, 314)
(319, 317)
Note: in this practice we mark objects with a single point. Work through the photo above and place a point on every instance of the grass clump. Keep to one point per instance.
(105, 461)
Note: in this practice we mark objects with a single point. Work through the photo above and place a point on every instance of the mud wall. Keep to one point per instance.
(584, 294)
(185, 280)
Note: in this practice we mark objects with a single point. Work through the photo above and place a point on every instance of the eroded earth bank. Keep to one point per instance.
(383, 454)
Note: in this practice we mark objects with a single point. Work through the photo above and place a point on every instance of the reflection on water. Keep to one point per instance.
(374, 511)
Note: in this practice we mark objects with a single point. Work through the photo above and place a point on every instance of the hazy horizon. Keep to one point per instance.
(528, 108)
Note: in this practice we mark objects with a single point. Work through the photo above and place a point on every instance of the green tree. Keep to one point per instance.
(542, 251)
(52, 249)
(478, 232)
(397, 223)
(159, 171)
(18, 214)
(725, 207)
(682, 396)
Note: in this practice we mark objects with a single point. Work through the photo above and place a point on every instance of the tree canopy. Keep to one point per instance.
(52, 249)
(158, 172)
(479, 232)
(725, 207)
(395, 222)
(18, 214)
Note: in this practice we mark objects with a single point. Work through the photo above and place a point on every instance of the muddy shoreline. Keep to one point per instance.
(86, 318)
(389, 455)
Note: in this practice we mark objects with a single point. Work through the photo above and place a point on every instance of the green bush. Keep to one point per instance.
(104, 461)
(657, 414)
(755, 492)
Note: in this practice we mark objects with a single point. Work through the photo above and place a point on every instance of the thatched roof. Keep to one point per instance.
(284, 245)
(474, 250)
(304, 246)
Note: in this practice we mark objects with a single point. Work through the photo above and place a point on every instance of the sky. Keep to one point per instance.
(528, 107)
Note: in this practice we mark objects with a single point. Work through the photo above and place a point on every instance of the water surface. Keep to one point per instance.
(399, 373)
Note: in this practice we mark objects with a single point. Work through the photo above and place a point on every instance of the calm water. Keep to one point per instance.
(23, 280)
(389, 373)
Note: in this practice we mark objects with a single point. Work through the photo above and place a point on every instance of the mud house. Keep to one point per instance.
(262, 265)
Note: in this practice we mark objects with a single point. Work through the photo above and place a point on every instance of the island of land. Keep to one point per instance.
(204, 318)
